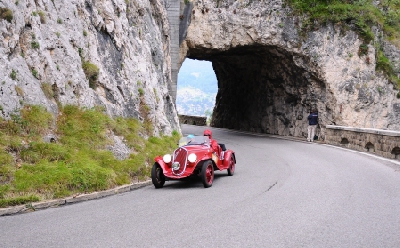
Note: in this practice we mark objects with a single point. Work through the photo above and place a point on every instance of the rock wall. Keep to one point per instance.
(45, 47)
(270, 75)
(193, 120)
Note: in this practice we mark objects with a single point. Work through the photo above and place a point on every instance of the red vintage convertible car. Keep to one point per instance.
(194, 156)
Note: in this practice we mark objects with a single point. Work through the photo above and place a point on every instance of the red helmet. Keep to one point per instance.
(208, 132)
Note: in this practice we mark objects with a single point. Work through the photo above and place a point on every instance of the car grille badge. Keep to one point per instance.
(175, 165)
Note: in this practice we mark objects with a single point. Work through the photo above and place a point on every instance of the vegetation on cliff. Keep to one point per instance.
(360, 15)
(6, 14)
(77, 160)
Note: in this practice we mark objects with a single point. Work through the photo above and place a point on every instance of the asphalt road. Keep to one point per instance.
(283, 194)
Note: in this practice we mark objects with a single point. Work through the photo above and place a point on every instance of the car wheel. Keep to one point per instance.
(157, 176)
(231, 168)
(207, 174)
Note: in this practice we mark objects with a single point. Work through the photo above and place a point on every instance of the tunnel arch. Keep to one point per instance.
(263, 89)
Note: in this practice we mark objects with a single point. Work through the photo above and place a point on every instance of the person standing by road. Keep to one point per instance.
(312, 125)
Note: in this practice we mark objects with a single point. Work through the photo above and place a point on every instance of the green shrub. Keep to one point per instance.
(363, 50)
(80, 52)
(47, 90)
(59, 21)
(85, 33)
(362, 13)
(6, 14)
(359, 15)
(35, 73)
(92, 73)
(383, 63)
(141, 91)
(42, 17)
(35, 45)
(13, 75)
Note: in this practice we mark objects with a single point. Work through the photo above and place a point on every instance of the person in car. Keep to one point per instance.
(213, 142)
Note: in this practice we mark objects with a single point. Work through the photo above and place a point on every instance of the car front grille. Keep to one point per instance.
(180, 156)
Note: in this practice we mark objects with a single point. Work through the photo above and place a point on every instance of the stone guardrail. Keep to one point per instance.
(385, 143)
(193, 120)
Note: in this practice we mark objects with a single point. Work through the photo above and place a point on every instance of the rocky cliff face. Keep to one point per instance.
(270, 76)
(113, 53)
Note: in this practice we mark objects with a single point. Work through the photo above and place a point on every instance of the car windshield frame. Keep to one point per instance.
(194, 140)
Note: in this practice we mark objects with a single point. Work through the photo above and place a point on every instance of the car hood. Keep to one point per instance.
(197, 148)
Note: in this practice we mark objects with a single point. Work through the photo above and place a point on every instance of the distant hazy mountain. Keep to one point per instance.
(197, 88)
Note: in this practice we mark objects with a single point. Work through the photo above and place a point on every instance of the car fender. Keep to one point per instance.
(227, 155)
(161, 162)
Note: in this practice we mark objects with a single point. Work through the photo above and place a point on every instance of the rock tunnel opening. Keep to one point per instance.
(196, 88)
(263, 89)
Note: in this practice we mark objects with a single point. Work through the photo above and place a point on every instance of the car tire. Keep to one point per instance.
(157, 176)
(231, 168)
(207, 174)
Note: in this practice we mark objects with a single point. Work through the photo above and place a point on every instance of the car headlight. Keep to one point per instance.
(167, 158)
(192, 158)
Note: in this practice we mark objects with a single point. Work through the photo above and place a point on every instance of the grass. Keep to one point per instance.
(18, 201)
(35, 73)
(35, 45)
(6, 14)
(359, 15)
(141, 92)
(92, 73)
(19, 90)
(33, 170)
(42, 17)
(13, 75)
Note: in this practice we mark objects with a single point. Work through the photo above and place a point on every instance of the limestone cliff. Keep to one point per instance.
(112, 53)
(270, 76)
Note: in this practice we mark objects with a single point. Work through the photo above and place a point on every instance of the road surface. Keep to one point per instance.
(284, 194)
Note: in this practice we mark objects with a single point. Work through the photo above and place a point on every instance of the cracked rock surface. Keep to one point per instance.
(47, 42)
(270, 76)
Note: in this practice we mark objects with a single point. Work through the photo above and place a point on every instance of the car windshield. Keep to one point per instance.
(194, 140)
